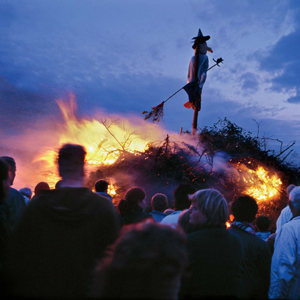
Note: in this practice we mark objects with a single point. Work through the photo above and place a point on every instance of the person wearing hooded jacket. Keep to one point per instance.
(61, 235)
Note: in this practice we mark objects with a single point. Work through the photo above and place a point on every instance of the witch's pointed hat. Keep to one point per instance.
(200, 38)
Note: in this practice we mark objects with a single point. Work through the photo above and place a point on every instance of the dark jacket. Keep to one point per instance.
(215, 264)
(58, 240)
(12, 210)
(257, 264)
(134, 216)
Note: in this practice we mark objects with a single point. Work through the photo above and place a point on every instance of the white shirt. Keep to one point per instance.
(285, 267)
(171, 219)
(284, 217)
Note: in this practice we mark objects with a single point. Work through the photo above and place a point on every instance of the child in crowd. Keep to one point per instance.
(262, 224)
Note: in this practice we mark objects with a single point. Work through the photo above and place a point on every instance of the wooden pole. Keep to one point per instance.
(195, 118)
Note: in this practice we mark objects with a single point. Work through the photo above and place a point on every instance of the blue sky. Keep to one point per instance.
(124, 57)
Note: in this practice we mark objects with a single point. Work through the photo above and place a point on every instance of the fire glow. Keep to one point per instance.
(105, 141)
(260, 183)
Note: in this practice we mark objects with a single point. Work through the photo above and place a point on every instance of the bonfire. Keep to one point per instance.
(224, 158)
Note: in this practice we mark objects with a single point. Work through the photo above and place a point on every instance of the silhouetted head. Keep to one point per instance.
(71, 162)
(134, 200)
(41, 186)
(146, 261)
(244, 209)
(159, 202)
(209, 209)
(181, 196)
(26, 192)
(101, 186)
(263, 223)
(11, 168)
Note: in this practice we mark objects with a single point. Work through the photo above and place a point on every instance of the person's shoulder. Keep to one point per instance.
(286, 210)
(171, 218)
(14, 193)
(15, 196)
(291, 226)
(97, 198)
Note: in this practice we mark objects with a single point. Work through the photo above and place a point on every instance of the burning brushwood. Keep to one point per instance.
(225, 157)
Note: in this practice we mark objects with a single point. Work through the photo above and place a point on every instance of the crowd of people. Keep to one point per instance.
(72, 242)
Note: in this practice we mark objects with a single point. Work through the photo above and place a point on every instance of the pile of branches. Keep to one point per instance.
(165, 164)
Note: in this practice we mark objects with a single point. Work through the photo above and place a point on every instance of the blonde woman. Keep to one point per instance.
(215, 255)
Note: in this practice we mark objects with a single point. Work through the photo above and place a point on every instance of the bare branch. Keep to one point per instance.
(258, 124)
(107, 128)
(287, 155)
(285, 149)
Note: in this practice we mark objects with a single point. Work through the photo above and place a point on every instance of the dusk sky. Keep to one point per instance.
(123, 57)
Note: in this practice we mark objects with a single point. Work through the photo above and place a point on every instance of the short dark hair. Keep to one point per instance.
(244, 209)
(10, 161)
(159, 202)
(181, 193)
(71, 160)
(263, 223)
(101, 185)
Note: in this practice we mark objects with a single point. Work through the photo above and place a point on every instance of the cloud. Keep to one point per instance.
(282, 61)
(295, 99)
(250, 81)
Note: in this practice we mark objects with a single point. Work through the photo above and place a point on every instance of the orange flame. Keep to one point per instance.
(260, 184)
(104, 141)
(111, 190)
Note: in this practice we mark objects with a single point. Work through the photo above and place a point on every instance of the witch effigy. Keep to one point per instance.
(197, 73)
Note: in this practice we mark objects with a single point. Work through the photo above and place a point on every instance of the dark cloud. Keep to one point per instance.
(284, 58)
(21, 108)
(295, 99)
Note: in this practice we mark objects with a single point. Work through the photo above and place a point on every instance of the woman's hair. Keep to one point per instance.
(3, 176)
(213, 205)
(146, 261)
(133, 197)
(244, 209)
